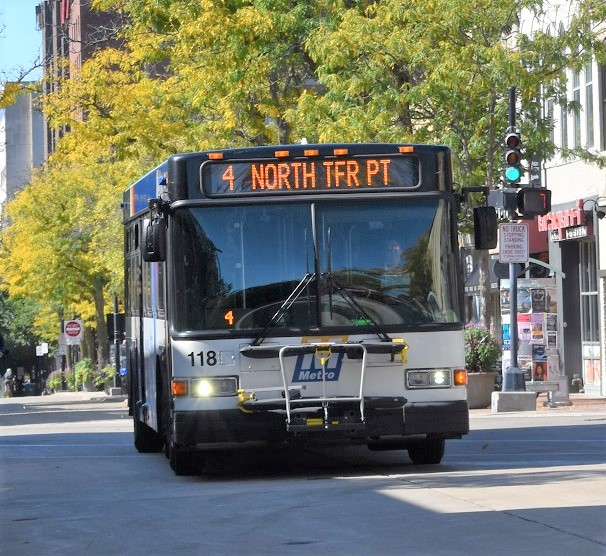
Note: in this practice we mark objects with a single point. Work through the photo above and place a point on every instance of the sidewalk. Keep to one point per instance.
(63, 398)
(577, 402)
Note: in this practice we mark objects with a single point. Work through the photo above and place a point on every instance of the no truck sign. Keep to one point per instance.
(513, 243)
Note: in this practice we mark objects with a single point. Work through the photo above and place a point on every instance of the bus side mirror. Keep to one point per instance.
(485, 227)
(154, 244)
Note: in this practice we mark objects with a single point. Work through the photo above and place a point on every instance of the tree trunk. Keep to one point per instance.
(102, 341)
(486, 307)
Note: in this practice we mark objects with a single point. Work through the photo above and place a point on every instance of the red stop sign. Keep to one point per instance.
(73, 329)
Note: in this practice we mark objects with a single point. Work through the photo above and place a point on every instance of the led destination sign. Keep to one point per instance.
(297, 176)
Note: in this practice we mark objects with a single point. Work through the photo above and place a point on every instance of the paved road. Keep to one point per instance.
(522, 484)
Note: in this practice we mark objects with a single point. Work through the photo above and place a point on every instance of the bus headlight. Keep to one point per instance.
(212, 386)
(439, 378)
(428, 378)
(203, 388)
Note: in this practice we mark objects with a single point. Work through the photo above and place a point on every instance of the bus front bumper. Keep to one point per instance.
(214, 429)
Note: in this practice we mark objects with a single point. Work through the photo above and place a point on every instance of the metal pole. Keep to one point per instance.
(512, 106)
(513, 377)
(117, 379)
(63, 353)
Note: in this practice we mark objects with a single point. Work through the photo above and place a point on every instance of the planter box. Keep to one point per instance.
(480, 387)
(88, 386)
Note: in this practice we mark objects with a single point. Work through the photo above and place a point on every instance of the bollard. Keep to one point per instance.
(513, 380)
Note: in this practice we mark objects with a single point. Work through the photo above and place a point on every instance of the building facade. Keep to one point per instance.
(575, 228)
(21, 142)
(71, 33)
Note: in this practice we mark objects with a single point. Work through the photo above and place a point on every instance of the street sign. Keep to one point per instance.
(513, 243)
(73, 331)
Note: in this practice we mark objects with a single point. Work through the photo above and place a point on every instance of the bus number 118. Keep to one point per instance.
(210, 357)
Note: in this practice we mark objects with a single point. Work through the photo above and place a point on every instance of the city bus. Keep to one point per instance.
(295, 294)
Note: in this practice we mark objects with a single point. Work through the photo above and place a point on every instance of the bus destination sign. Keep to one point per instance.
(297, 176)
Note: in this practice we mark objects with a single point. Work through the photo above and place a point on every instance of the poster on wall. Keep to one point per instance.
(539, 370)
(524, 328)
(506, 336)
(552, 322)
(537, 300)
(538, 352)
(504, 297)
(552, 340)
(536, 328)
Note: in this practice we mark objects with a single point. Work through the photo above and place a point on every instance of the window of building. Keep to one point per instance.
(589, 104)
(550, 119)
(576, 97)
(563, 126)
(590, 331)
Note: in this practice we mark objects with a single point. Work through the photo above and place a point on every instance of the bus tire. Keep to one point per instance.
(147, 440)
(428, 452)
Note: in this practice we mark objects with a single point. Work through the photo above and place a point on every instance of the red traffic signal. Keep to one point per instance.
(533, 201)
(512, 140)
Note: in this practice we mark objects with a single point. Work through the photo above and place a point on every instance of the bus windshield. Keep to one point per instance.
(361, 263)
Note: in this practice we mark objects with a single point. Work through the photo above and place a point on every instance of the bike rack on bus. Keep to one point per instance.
(292, 400)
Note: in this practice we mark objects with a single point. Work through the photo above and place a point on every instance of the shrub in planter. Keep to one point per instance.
(55, 380)
(482, 351)
(104, 376)
(85, 370)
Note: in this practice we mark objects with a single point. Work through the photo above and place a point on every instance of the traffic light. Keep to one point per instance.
(485, 227)
(513, 156)
(533, 201)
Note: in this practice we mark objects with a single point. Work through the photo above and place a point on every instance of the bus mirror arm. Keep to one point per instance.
(159, 207)
(463, 197)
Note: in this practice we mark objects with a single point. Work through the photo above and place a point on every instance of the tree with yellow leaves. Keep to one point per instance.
(63, 245)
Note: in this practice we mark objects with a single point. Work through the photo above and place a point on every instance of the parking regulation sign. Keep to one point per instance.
(73, 332)
(513, 243)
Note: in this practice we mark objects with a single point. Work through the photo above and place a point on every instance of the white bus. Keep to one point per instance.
(295, 292)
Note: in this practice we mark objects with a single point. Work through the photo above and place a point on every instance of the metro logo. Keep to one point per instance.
(307, 371)
(308, 367)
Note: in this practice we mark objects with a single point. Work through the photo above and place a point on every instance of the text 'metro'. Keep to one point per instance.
(299, 175)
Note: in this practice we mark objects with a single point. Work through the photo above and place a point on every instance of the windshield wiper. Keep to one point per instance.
(374, 326)
(288, 302)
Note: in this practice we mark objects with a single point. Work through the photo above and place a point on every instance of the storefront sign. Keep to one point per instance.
(577, 232)
(565, 224)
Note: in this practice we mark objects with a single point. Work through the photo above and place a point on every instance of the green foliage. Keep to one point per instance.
(85, 371)
(104, 376)
(17, 316)
(481, 350)
(55, 380)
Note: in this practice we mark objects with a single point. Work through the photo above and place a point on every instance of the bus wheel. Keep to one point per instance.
(430, 451)
(147, 440)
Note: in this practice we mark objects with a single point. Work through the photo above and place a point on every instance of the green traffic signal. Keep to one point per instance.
(513, 174)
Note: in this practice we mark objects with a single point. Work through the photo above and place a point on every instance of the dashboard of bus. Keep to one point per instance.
(322, 265)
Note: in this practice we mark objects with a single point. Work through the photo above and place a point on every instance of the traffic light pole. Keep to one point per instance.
(513, 377)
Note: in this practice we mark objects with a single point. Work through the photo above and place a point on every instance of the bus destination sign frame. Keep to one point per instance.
(277, 176)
